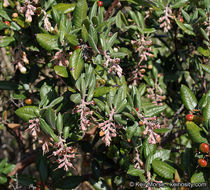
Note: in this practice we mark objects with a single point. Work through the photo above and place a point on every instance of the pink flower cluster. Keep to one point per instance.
(165, 20)
(143, 47)
(61, 58)
(6, 3)
(64, 154)
(34, 127)
(114, 65)
(108, 128)
(85, 114)
(151, 124)
(28, 9)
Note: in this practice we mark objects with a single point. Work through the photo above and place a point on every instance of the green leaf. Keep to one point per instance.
(185, 15)
(100, 104)
(47, 41)
(112, 40)
(64, 7)
(154, 111)
(5, 41)
(149, 30)
(122, 106)
(148, 148)
(47, 129)
(66, 132)
(76, 64)
(198, 178)
(27, 112)
(195, 133)
(162, 154)
(72, 39)
(204, 52)
(4, 14)
(61, 71)
(135, 172)
(76, 98)
(188, 98)
(7, 85)
(84, 33)
(179, 3)
(162, 130)
(3, 26)
(54, 102)
(184, 28)
(3, 179)
(205, 68)
(43, 169)
(206, 115)
(60, 123)
(80, 13)
(163, 169)
(49, 116)
(101, 91)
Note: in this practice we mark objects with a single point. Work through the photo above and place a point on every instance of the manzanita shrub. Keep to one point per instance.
(104, 94)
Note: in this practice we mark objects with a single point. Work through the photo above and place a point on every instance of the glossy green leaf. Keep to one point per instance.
(76, 64)
(135, 172)
(184, 28)
(206, 115)
(66, 132)
(206, 53)
(60, 123)
(5, 41)
(205, 68)
(198, 178)
(72, 39)
(195, 133)
(76, 98)
(188, 98)
(179, 3)
(47, 129)
(27, 112)
(84, 33)
(154, 111)
(47, 41)
(49, 116)
(64, 7)
(3, 179)
(80, 13)
(4, 15)
(163, 169)
(101, 91)
(61, 71)
(54, 102)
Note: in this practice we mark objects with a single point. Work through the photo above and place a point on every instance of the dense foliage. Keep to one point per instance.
(104, 94)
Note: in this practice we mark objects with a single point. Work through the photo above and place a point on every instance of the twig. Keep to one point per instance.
(108, 13)
(24, 163)
(175, 119)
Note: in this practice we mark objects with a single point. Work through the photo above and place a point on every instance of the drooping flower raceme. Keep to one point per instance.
(86, 115)
(151, 124)
(6, 3)
(113, 65)
(61, 58)
(28, 9)
(165, 20)
(64, 154)
(108, 129)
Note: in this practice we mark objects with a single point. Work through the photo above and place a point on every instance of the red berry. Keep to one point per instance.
(28, 101)
(189, 117)
(141, 123)
(204, 148)
(181, 19)
(76, 47)
(137, 109)
(100, 3)
(202, 162)
(7, 23)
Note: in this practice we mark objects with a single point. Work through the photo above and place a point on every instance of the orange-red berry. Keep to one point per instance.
(137, 109)
(204, 148)
(202, 162)
(7, 23)
(28, 101)
(100, 3)
(76, 47)
(181, 19)
(189, 117)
